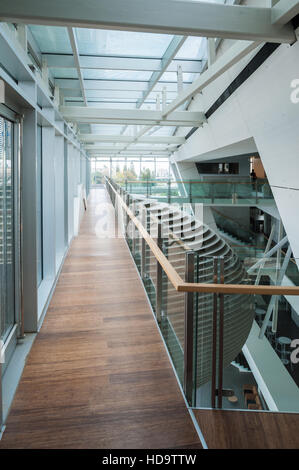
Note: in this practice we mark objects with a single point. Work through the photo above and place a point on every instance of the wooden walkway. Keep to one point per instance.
(248, 429)
(98, 375)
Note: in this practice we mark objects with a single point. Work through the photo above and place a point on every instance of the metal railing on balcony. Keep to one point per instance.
(201, 293)
(207, 192)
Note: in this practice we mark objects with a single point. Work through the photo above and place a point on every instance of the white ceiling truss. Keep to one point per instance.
(144, 98)
(177, 17)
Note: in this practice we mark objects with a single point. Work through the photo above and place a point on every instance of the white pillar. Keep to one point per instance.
(45, 71)
(158, 102)
(211, 51)
(57, 95)
(164, 98)
(22, 35)
(180, 79)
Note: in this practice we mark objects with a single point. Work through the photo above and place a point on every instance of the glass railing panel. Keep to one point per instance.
(264, 189)
(215, 192)
(256, 360)
(264, 375)
(260, 348)
(143, 257)
(234, 229)
(141, 188)
(234, 326)
(167, 304)
(203, 333)
(173, 308)
(209, 192)
(268, 350)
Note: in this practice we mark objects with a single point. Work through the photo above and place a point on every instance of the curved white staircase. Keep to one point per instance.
(188, 233)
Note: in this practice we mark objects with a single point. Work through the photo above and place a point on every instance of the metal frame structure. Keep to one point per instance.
(187, 18)
(105, 97)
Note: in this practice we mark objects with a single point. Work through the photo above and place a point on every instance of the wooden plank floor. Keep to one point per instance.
(248, 430)
(98, 375)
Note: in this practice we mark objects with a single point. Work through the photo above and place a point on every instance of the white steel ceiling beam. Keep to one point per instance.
(235, 53)
(131, 116)
(58, 61)
(170, 140)
(284, 11)
(130, 153)
(120, 122)
(74, 46)
(118, 85)
(177, 17)
(136, 158)
(108, 148)
(173, 48)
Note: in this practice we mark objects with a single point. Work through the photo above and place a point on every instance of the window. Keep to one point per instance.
(216, 168)
(7, 253)
(39, 207)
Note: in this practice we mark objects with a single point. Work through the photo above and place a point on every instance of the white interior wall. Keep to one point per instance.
(260, 111)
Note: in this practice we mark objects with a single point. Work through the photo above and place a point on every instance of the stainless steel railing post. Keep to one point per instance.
(127, 217)
(143, 247)
(188, 334)
(214, 337)
(159, 276)
(134, 230)
(221, 337)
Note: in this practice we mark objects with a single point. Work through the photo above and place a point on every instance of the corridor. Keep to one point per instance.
(98, 375)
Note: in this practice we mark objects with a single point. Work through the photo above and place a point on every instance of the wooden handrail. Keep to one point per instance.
(171, 273)
(246, 289)
(186, 182)
(181, 286)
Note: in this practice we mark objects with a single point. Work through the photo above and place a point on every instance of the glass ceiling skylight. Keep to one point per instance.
(193, 48)
(52, 39)
(121, 43)
(116, 74)
(119, 70)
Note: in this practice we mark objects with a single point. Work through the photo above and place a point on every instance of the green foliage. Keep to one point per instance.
(121, 176)
(147, 174)
(98, 176)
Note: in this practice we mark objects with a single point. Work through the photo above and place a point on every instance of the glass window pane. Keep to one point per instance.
(116, 74)
(64, 72)
(98, 103)
(126, 43)
(114, 94)
(9, 227)
(192, 48)
(52, 39)
(39, 205)
(7, 265)
(2, 266)
(172, 77)
(106, 129)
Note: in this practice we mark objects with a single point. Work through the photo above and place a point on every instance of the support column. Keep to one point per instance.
(22, 35)
(180, 79)
(211, 51)
(29, 209)
(48, 203)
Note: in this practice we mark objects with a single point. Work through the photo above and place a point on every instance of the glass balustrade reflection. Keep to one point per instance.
(244, 347)
(208, 192)
(7, 268)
